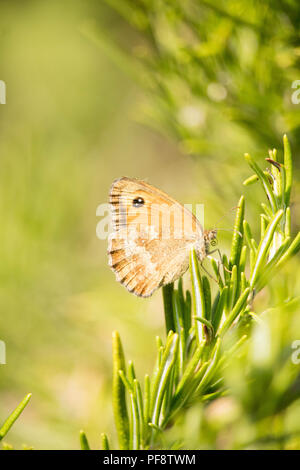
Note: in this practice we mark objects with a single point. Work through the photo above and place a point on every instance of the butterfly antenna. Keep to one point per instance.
(231, 230)
(226, 213)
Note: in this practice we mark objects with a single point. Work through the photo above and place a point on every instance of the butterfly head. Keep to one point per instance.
(210, 238)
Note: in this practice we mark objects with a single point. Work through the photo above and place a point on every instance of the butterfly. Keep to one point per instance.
(152, 235)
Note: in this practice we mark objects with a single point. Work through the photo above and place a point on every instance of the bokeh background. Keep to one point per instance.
(171, 92)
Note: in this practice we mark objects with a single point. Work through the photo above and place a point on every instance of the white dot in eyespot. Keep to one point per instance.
(138, 202)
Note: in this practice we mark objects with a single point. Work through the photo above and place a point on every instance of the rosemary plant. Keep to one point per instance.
(189, 363)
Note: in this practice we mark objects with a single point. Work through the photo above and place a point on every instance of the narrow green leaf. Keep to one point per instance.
(264, 180)
(14, 416)
(155, 427)
(235, 311)
(216, 269)
(287, 228)
(128, 385)
(119, 396)
(181, 294)
(189, 371)
(215, 303)
(209, 330)
(159, 342)
(166, 366)
(248, 236)
(277, 174)
(131, 372)
(135, 437)
(177, 312)
(216, 319)
(264, 246)
(104, 442)
(181, 350)
(244, 282)
(168, 307)
(252, 260)
(166, 405)
(84, 444)
(188, 312)
(187, 390)
(288, 165)
(291, 251)
(226, 271)
(267, 210)
(157, 366)
(207, 297)
(146, 399)
(198, 295)
(237, 238)
(233, 287)
(212, 396)
(263, 224)
(268, 270)
(282, 186)
(211, 369)
(243, 259)
(252, 179)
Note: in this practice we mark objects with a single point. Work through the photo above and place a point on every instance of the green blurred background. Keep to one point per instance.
(98, 90)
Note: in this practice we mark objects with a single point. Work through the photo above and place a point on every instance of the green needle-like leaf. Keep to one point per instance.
(243, 259)
(135, 437)
(264, 246)
(198, 294)
(187, 312)
(127, 384)
(288, 165)
(287, 228)
(211, 369)
(190, 368)
(177, 312)
(210, 330)
(291, 251)
(248, 236)
(216, 269)
(268, 270)
(233, 288)
(84, 444)
(252, 179)
(263, 224)
(119, 397)
(14, 416)
(207, 297)
(267, 210)
(104, 442)
(235, 311)
(159, 386)
(168, 307)
(146, 400)
(237, 238)
(139, 400)
(264, 180)
(216, 319)
(131, 372)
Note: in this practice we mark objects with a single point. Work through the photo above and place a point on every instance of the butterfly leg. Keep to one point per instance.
(218, 264)
(204, 269)
(220, 255)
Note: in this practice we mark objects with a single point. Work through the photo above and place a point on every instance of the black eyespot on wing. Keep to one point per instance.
(138, 202)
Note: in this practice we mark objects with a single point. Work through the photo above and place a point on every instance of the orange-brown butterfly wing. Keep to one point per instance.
(148, 248)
